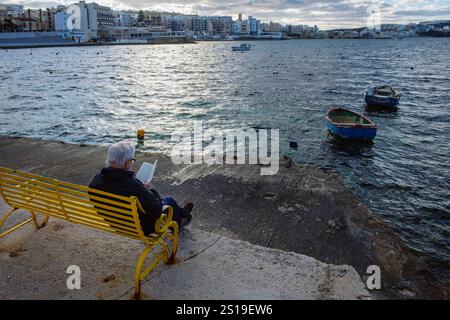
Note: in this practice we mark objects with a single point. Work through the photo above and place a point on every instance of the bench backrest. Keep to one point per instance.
(71, 202)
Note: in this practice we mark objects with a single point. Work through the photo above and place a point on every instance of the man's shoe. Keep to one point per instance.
(185, 221)
(188, 208)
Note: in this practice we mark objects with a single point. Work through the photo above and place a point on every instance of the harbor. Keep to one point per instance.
(401, 176)
(301, 149)
(91, 23)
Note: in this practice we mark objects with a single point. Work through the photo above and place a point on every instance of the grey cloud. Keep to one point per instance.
(325, 13)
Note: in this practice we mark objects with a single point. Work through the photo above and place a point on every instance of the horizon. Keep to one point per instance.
(326, 14)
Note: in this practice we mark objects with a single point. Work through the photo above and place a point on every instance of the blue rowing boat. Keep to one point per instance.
(348, 124)
(382, 96)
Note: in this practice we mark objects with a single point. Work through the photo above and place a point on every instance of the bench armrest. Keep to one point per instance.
(164, 221)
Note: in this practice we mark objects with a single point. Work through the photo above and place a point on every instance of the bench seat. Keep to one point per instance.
(88, 207)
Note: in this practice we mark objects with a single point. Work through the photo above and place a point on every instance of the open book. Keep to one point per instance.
(146, 172)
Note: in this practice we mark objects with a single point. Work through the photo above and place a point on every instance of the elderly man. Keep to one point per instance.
(117, 178)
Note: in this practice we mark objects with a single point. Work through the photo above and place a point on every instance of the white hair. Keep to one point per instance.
(120, 153)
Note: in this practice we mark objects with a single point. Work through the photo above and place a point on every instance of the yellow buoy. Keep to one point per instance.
(141, 134)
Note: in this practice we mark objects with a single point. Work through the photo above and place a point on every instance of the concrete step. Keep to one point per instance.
(33, 265)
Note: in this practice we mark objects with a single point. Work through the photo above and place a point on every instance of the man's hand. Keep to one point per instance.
(148, 186)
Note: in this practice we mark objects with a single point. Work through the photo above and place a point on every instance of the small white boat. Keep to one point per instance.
(242, 47)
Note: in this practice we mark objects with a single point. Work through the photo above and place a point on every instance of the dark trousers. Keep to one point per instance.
(178, 212)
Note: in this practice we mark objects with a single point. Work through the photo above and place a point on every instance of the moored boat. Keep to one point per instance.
(348, 124)
(242, 47)
(382, 96)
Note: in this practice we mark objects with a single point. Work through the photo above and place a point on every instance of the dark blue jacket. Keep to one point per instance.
(124, 183)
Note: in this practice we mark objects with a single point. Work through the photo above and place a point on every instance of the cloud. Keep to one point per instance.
(325, 13)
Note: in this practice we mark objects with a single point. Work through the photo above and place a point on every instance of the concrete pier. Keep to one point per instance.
(300, 234)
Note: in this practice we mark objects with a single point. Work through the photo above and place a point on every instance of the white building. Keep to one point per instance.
(174, 22)
(14, 10)
(237, 27)
(60, 19)
(91, 20)
(253, 26)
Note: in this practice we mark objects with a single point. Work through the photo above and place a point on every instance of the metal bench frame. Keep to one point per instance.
(74, 203)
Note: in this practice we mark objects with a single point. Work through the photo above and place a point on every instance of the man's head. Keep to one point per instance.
(120, 155)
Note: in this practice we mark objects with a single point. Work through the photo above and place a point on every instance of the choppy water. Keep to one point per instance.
(102, 94)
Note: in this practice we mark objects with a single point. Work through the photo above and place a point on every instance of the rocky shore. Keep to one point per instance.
(302, 210)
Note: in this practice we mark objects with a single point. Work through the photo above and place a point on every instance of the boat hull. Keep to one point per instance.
(348, 124)
(377, 101)
(352, 132)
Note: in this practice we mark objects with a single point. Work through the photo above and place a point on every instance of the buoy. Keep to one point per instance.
(293, 145)
(141, 134)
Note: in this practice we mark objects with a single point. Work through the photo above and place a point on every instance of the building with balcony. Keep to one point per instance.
(92, 20)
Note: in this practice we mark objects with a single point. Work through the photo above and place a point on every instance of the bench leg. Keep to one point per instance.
(35, 222)
(17, 226)
(139, 274)
(174, 239)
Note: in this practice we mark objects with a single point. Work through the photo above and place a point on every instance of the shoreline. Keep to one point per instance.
(302, 209)
(186, 41)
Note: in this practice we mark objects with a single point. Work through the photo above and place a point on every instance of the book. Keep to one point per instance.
(146, 172)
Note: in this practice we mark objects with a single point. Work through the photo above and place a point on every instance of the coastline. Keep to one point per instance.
(58, 45)
(303, 209)
(188, 41)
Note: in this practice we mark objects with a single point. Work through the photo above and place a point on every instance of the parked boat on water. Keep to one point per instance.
(382, 96)
(348, 124)
(242, 47)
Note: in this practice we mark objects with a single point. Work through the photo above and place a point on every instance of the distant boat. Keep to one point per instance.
(348, 124)
(382, 96)
(242, 47)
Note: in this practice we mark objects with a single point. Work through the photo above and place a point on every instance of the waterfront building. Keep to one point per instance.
(248, 27)
(124, 19)
(174, 22)
(102, 19)
(61, 18)
(253, 26)
(8, 13)
(13, 10)
(143, 34)
(241, 27)
(222, 25)
(196, 24)
(273, 27)
(94, 21)
(25, 24)
(237, 27)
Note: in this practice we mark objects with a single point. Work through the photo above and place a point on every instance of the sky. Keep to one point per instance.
(327, 14)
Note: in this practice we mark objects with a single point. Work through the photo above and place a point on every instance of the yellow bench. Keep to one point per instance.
(88, 207)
